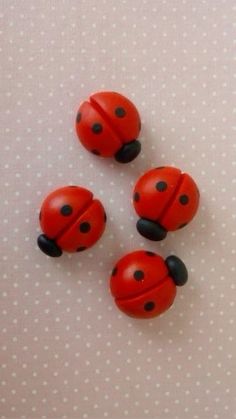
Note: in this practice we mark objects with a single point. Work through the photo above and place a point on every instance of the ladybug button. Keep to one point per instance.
(144, 285)
(165, 200)
(71, 220)
(108, 125)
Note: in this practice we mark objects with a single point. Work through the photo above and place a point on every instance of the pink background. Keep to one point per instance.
(66, 351)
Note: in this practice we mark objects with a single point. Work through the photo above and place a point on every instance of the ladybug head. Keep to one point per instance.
(151, 229)
(177, 270)
(48, 246)
(128, 152)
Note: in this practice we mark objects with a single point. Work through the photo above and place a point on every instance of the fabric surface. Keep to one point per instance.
(66, 350)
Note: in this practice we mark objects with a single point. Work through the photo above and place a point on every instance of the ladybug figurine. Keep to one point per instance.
(165, 200)
(71, 220)
(144, 285)
(108, 124)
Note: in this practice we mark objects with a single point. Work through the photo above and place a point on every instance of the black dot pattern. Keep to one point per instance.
(161, 186)
(96, 152)
(114, 271)
(183, 199)
(78, 118)
(150, 254)
(105, 217)
(136, 197)
(66, 210)
(85, 227)
(120, 112)
(160, 167)
(149, 306)
(80, 249)
(138, 275)
(97, 128)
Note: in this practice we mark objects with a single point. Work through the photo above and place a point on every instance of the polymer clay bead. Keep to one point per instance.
(143, 284)
(108, 124)
(71, 220)
(165, 200)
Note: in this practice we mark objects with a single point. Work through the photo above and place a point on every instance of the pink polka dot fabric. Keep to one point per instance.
(66, 350)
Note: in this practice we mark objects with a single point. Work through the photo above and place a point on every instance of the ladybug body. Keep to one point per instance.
(165, 200)
(71, 220)
(144, 285)
(108, 124)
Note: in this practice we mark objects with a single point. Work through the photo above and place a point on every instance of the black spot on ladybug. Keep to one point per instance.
(182, 225)
(105, 217)
(150, 253)
(66, 210)
(136, 197)
(85, 227)
(183, 199)
(149, 306)
(161, 186)
(160, 167)
(114, 271)
(80, 249)
(120, 112)
(138, 275)
(96, 152)
(97, 128)
(78, 117)
(73, 186)
(40, 216)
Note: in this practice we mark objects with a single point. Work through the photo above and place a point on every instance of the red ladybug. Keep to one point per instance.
(165, 199)
(108, 124)
(71, 220)
(144, 285)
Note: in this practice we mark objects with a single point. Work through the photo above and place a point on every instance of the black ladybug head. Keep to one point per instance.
(151, 230)
(177, 270)
(128, 152)
(48, 246)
